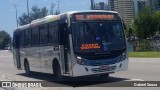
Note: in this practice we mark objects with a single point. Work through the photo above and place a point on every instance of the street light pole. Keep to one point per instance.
(92, 4)
(16, 14)
(28, 10)
(58, 6)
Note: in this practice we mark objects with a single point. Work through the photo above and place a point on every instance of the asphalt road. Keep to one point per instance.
(140, 69)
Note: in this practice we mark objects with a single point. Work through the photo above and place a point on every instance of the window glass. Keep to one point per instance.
(35, 36)
(44, 35)
(28, 37)
(53, 33)
(98, 36)
(22, 39)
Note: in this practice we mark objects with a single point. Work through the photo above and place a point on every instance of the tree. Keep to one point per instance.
(35, 13)
(157, 18)
(145, 23)
(24, 19)
(52, 8)
(159, 2)
(5, 39)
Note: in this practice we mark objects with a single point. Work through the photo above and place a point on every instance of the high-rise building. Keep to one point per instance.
(101, 6)
(154, 5)
(111, 4)
(126, 9)
(139, 5)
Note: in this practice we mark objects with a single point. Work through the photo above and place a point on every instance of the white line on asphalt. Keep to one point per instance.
(134, 79)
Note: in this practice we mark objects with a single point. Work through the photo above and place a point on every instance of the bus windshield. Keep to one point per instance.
(98, 36)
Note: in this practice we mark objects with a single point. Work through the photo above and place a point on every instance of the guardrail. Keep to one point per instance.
(143, 45)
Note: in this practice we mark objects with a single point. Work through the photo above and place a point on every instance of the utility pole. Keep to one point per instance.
(16, 14)
(92, 4)
(58, 7)
(28, 10)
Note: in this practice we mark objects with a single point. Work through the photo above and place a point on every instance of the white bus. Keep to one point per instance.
(77, 43)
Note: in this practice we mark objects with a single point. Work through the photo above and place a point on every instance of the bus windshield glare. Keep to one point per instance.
(98, 36)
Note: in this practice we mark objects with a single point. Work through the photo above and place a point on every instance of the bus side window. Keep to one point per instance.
(22, 38)
(63, 33)
(35, 36)
(44, 34)
(53, 33)
(27, 40)
(16, 40)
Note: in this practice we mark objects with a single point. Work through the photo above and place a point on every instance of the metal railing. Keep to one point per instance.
(143, 45)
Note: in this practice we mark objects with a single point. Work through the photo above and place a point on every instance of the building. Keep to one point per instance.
(154, 5)
(101, 6)
(111, 5)
(125, 8)
(139, 5)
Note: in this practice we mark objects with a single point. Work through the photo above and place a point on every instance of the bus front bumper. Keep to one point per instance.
(82, 70)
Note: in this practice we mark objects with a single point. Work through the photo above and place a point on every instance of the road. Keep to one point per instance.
(140, 69)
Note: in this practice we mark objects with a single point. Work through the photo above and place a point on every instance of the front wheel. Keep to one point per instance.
(57, 73)
(27, 69)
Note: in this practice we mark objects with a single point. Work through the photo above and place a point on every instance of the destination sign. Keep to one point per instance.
(80, 17)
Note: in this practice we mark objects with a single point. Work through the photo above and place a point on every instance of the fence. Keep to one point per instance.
(143, 45)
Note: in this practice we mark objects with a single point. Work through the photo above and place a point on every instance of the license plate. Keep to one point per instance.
(104, 67)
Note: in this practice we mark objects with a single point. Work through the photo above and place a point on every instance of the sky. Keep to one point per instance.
(8, 11)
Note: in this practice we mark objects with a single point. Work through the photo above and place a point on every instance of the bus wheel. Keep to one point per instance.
(27, 69)
(57, 73)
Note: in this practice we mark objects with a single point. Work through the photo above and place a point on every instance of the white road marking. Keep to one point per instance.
(134, 79)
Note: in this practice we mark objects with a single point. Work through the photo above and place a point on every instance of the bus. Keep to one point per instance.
(72, 44)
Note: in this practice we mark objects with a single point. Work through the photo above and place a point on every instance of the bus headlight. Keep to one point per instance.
(123, 56)
(80, 60)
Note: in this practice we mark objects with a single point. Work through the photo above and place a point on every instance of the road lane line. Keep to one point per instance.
(134, 79)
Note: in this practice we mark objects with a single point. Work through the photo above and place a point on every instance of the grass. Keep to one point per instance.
(144, 54)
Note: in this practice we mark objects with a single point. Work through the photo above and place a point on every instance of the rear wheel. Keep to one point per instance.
(27, 69)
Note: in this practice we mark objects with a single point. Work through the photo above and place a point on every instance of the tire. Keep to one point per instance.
(27, 69)
(57, 73)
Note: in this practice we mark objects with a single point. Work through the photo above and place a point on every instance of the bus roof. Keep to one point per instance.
(51, 18)
(83, 11)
